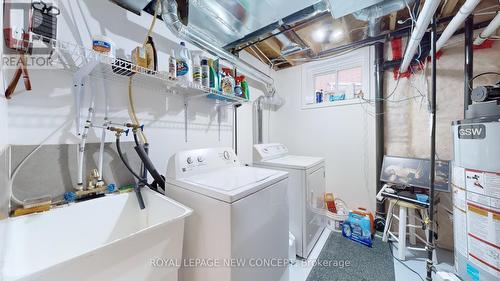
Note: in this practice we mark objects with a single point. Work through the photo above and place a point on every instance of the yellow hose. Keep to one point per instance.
(132, 113)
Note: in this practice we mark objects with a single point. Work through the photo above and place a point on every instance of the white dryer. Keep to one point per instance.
(240, 218)
(305, 192)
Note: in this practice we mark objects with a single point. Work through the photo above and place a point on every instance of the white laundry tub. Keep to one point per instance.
(108, 238)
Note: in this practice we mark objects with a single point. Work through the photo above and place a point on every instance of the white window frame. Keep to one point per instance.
(360, 57)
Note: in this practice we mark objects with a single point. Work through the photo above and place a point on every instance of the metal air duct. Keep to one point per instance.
(196, 37)
(373, 14)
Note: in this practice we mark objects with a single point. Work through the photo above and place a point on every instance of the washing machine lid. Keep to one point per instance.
(231, 184)
(293, 162)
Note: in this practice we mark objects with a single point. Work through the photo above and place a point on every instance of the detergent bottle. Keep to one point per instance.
(184, 67)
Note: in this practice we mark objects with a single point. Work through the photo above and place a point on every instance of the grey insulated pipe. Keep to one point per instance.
(257, 120)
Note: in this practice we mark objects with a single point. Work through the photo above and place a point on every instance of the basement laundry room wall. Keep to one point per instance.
(4, 193)
(343, 134)
(407, 122)
(48, 110)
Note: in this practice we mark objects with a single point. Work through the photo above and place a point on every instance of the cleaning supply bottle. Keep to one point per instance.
(197, 76)
(172, 66)
(227, 82)
(213, 76)
(184, 67)
(151, 55)
(244, 88)
(205, 73)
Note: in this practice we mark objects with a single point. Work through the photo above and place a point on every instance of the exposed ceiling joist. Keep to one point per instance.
(449, 8)
(393, 18)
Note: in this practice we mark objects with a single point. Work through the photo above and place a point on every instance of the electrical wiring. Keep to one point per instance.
(482, 74)
(405, 265)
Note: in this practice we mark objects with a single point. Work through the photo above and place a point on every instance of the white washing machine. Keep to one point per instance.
(305, 192)
(240, 218)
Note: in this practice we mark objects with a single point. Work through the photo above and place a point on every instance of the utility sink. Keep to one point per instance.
(108, 238)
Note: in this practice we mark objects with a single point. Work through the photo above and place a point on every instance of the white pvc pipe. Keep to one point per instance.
(81, 149)
(466, 9)
(103, 133)
(489, 30)
(430, 7)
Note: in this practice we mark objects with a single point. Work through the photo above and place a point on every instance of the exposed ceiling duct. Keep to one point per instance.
(342, 8)
(196, 37)
(301, 16)
(288, 47)
(373, 14)
(135, 6)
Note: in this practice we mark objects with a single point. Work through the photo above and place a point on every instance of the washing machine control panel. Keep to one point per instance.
(189, 162)
(269, 151)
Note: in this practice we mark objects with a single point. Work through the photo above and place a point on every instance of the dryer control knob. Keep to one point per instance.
(227, 155)
(201, 159)
(189, 160)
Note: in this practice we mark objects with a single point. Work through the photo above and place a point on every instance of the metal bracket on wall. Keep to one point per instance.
(219, 117)
(186, 104)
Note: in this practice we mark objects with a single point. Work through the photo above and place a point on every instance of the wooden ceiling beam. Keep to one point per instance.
(393, 18)
(448, 8)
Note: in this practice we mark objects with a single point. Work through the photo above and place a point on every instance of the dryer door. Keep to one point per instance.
(315, 222)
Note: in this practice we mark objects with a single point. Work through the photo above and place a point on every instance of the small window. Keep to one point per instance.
(338, 85)
(338, 81)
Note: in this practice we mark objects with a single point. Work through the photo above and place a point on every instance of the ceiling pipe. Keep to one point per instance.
(489, 30)
(466, 9)
(170, 17)
(428, 11)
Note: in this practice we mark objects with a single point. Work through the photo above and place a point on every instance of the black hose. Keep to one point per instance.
(143, 166)
(149, 166)
(141, 180)
(118, 148)
(142, 151)
(136, 139)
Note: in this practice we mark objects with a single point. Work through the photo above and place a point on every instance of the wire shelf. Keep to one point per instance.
(70, 56)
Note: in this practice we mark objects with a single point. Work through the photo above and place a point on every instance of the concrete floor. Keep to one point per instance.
(414, 260)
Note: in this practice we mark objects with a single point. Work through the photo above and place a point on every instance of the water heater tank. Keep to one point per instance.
(476, 198)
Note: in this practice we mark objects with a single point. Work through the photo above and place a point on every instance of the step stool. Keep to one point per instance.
(406, 212)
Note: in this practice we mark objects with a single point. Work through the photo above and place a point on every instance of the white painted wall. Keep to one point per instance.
(35, 115)
(344, 135)
(4, 193)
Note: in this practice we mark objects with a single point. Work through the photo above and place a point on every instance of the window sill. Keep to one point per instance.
(331, 104)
